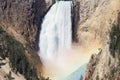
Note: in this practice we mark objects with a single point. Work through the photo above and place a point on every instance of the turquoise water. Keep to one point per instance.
(63, 0)
(78, 73)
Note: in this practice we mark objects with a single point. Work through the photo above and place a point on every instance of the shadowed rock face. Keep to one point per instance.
(22, 18)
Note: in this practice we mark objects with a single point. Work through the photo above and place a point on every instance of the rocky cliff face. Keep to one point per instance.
(94, 26)
(106, 65)
(93, 20)
(22, 19)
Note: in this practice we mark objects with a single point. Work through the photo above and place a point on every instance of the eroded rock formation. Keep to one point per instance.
(22, 19)
(94, 26)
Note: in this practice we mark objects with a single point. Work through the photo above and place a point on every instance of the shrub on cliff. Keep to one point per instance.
(115, 40)
(15, 51)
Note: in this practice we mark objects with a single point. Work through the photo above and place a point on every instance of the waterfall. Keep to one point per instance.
(60, 62)
(56, 33)
(61, 59)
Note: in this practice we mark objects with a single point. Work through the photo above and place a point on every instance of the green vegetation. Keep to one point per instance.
(115, 40)
(1, 52)
(115, 51)
(15, 51)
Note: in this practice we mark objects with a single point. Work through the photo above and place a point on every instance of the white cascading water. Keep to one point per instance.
(55, 39)
(56, 33)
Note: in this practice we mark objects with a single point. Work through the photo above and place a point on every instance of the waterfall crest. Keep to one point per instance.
(56, 32)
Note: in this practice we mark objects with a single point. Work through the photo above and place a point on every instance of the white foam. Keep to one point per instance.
(56, 33)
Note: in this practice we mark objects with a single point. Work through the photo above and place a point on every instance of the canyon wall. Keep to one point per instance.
(96, 20)
(22, 20)
(92, 23)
